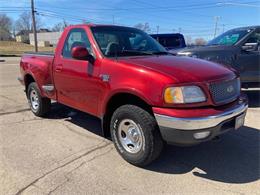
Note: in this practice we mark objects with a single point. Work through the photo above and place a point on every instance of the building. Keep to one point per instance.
(22, 36)
(45, 38)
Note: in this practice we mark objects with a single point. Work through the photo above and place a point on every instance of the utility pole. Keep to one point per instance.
(216, 25)
(223, 28)
(113, 19)
(157, 29)
(34, 26)
(180, 29)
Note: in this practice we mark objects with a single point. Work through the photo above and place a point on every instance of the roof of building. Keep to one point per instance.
(23, 32)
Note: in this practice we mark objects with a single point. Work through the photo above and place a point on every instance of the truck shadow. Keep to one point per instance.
(81, 119)
(253, 98)
(234, 158)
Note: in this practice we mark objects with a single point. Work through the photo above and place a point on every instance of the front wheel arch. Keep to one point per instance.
(118, 100)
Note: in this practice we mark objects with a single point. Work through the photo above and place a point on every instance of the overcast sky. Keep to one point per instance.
(190, 17)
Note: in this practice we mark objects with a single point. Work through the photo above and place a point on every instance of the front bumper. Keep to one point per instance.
(182, 131)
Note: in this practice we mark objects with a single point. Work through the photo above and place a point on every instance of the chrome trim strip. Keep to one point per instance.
(201, 122)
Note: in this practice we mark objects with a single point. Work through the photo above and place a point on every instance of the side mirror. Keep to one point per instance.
(80, 53)
(250, 47)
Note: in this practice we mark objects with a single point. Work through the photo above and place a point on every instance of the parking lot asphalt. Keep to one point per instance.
(65, 154)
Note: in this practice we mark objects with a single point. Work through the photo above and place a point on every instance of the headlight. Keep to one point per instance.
(182, 95)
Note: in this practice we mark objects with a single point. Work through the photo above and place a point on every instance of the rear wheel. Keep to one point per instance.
(40, 106)
(136, 135)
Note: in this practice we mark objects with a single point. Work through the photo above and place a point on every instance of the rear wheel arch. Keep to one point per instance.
(118, 100)
(28, 79)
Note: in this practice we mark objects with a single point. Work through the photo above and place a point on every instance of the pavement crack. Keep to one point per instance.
(14, 112)
(97, 156)
(7, 98)
(61, 166)
(22, 121)
(75, 131)
(93, 158)
(76, 168)
(58, 186)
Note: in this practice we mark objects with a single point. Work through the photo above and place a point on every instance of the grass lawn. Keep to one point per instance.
(10, 48)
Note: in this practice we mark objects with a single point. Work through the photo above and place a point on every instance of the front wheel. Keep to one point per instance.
(136, 135)
(40, 106)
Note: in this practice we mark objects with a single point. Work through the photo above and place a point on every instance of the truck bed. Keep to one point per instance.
(39, 66)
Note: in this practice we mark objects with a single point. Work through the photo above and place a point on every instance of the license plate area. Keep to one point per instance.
(240, 120)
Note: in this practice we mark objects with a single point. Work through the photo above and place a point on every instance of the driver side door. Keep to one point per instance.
(248, 61)
(76, 80)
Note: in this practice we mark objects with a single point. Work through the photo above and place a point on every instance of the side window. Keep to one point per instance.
(76, 37)
(229, 39)
(254, 38)
(254, 41)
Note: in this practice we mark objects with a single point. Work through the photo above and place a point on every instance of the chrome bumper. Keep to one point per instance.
(201, 122)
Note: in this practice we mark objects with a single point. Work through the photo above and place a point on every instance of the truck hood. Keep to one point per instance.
(203, 49)
(182, 69)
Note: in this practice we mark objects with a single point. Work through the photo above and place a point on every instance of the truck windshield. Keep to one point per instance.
(230, 37)
(124, 41)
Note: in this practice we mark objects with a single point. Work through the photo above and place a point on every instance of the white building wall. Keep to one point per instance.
(51, 37)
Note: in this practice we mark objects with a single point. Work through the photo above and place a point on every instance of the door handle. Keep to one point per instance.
(58, 68)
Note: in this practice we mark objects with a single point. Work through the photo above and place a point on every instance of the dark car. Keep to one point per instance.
(170, 41)
(238, 48)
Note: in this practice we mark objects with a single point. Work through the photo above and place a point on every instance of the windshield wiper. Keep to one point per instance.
(136, 52)
(211, 44)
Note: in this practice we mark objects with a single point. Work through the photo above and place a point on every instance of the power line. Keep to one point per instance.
(200, 6)
(239, 4)
(61, 14)
(69, 18)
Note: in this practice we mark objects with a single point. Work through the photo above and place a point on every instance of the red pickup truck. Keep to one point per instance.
(144, 96)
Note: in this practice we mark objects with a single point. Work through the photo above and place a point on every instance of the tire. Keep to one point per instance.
(136, 135)
(39, 105)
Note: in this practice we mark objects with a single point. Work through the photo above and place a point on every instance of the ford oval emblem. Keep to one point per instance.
(230, 89)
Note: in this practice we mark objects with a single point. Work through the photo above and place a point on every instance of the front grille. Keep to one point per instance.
(225, 91)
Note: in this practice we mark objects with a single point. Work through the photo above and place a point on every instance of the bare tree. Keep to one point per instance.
(58, 27)
(24, 23)
(145, 27)
(65, 23)
(200, 41)
(5, 27)
(188, 40)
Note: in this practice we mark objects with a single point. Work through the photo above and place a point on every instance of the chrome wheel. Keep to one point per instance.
(34, 99)
(130, 136)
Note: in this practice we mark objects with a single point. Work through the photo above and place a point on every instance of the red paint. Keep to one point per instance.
(78, 83)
